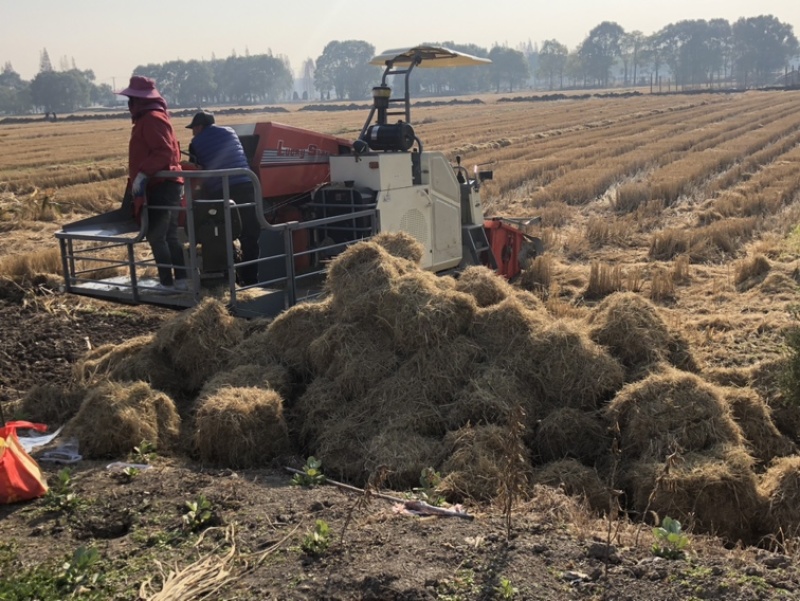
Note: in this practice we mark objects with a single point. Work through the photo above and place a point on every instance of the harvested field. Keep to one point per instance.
(634, 369)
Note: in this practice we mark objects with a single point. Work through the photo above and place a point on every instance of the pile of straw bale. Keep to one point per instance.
(398, 370)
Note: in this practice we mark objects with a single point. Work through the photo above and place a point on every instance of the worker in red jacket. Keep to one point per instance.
(153, 147)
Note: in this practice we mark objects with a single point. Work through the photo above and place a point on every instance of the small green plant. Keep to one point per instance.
(429, 479)
(505, 590)
(670, 540)
(460, 588)
(77, 577)
(128, 474)
(317, 541)
(77, 572)
(199, 514)
(144, 453)
(60, 495)
(312, 474)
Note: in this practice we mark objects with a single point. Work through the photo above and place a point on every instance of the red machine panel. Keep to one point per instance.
(505, 242)
(290, 160)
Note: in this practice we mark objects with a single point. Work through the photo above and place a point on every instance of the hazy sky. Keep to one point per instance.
(112, 37)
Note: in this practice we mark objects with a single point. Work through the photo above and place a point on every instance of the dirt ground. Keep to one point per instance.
(259, 543)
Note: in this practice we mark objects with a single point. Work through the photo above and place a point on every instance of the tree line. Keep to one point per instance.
(750, 52)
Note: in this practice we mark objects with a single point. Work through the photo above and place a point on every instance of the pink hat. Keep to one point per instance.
(140, 87)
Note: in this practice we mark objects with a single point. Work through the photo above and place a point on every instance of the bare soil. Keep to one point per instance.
(256, 545)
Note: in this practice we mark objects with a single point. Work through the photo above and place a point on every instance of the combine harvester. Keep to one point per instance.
(316, 195)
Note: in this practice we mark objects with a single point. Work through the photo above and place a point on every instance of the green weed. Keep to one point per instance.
(78, 577)
(670, 540)
(317, 541)
(144, 453)
(199, 514)
(312, 474)
(460, 588)
(429, 479)
(61, 496)
(505, 590)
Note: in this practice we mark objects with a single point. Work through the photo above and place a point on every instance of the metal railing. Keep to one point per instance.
(88, 246)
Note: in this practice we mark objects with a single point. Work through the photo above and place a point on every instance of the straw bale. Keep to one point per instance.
(199, 341)
(342, 446)
(500, 328)
(489, 397)
(150, 365)
(290, 335)
(565, 367)
(570, 433)
(404, 455)
(780, 488)
(776, 284)
(444, 369)
(256, 349)
(419, 312)
(738, 377)
(356, 357)
(576, 480)
(631, 328)
(713, 492)
(97, 363)
(51, 404)
(485, 285)
(267, 377)
(421, 392)
(531, 302)
(768, 379)
(116, 417)
(672, 410)
(320, 404)
(241, 427)
(403, 403)
(754, 417)
(401, 245)
(359, 278)
(476, 463)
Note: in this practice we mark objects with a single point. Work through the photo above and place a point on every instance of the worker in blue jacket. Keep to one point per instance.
(216, 147)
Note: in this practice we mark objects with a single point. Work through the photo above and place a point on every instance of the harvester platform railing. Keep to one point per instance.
(107, 256)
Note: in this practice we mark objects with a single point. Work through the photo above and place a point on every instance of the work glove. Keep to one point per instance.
(139, 184)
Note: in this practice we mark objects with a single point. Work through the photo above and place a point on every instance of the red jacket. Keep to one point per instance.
(153, 146)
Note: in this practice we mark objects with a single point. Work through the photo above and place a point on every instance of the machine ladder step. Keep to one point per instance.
(477, 243)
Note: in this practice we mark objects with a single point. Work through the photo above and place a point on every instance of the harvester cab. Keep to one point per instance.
(315, 195)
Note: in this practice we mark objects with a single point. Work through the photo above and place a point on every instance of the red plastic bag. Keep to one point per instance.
(20, 476)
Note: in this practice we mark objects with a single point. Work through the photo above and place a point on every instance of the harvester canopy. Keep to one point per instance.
(428, 57)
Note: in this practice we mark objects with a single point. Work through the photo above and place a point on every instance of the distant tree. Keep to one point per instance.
(552, 62)
(10, 78)
(508, 67)
(761, 47)
(631, 46)
(531, 53)
(15, 97)
(44, 61)
(307, 78)
(693, 50)
(60, 92)
(600, 50)
(102, 95)
(575, 70)
(344, 67)
(196, 86)
(720, 46)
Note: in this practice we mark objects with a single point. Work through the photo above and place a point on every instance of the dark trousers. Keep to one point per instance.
(251, 231)
(162, 230)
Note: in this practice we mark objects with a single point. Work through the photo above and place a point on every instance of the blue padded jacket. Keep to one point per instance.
(219, 147)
